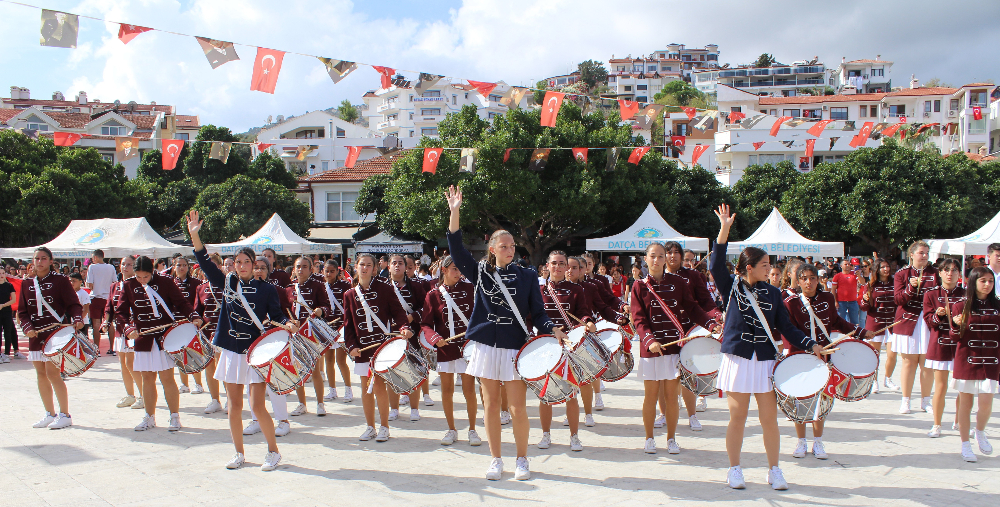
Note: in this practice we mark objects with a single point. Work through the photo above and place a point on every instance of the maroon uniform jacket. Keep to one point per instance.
(335, 292)
(109, 309)
(598, 306)
(314, 294)
(208, 304)
(699, 289)
(910, 300)
(571, 298)
(941, 346)
(823, 306)
(188, 287)
(56, 290)
(382, 300)
(604, 288)
(434, 317)
(279, 278)
(978, 352)
(881, 307)
(413, 293)
(651, 321)
(134, 310)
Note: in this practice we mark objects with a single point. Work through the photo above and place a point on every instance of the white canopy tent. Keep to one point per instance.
(972, 244)
(777, 237)
(650, 227)
(117, 237)
(388, 244)
(276, 235)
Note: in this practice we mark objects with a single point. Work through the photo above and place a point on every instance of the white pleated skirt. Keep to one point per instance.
(233, 368)
(362, 369)
(886, 336)
(37, 356)
(913, 344)
(121, 345)
(658, 368)
(154, 360)
(739, 375)
(486, 361)
(456, 366)
(988, 386)
(939, 365)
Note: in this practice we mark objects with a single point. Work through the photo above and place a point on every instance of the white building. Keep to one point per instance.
(639, 79)
(321, 138)
(862, 76)
(777, 80)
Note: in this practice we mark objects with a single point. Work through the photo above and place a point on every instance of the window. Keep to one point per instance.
(411, 133)
(611, 79)
(751, 160)
(305, 134)
(927, 106)
(113, 131)
(429, 112)
(736, 109)
(490, 115)
(108, 157)
(977, 126)
(411, 116)
(38, 126)
(642, 98)
(977, 98)
(663, 56)
(640, 88)
(628, 88)
(651, 68)
(431, 93)
(874, 111)
(838, 113)
(391, 117)
(454, 100)
(494, 98)
(184, 137)
(897, 110)
(774, 112)
(864, 112)
(341, 133)
(770, 159)
(326, 165)
(667, 68)
(794, 113)
(429, 131)
(340, 206)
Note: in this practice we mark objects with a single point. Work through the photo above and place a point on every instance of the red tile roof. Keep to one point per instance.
(360, 172)
(974, 156)
(91, 104)
(869, 61)
(184, 121)
(6, 114)
(80, 120)
(978, 84)
(811, 99)
(934, 90)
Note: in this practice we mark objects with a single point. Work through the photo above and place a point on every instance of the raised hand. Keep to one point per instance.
(725, 217)
(193, 222)
(454, 197)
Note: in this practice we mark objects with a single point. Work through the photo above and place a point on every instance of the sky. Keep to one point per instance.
(517, 41)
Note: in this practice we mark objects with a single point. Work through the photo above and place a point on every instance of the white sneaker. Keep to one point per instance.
(660, 421)
(521, 472)
(237, 461)
(702, 404)
(598, 402)
(935, 431)
(139, 404)
(776, 479)
(175, 422)
(331, 394)
(566, 421)
(299, 410)
(197, 389)
(875, 387)
(127, 401)
(320, 409)
(404, 401)
(818, 450)
(4, 358)
(984, 444)
(393, 414)
(504, 418)
(271, 460)
(495, 470)
(800, 449)
(437, 381)
(954, 426)
(474, 439)
(428, 402)
(694, 423)
(588, 421)
(282, 428)
(414, 415)
(575, 444)
(889, 384)
(967, 453)
(383, 434)
(184, 389)
(904, 407)
(65, 421)
(213, 407)
(348, 395)
(546, 441)
(672, 447)
(650, 446)
(450, 437)
(252, 429)
(18, 355)
(735, 478)
(147, 423)
(45, 421)
(925, 404)
(368, 434)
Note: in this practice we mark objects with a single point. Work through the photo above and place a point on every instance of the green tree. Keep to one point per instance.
(592, 72)
(171, 203)
(240, 206)
(681, 92)
(540, 87)
(271, 168)
(347, 111)
(206, 170)
(764, 60)
(151, 168)
(757, 192)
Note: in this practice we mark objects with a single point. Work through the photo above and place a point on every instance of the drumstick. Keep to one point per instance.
(51, 326)
(576, 318)
(848, 335)
(886, 328)
(831, 351)
(686, 338)
(155, 329)
(459, 335)
(334, 321)
(377, 344)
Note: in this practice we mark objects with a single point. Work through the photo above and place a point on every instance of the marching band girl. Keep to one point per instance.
(941, 348)
(307, 298)
(446, 314)
(247, 304)
(335, 287)
(208, 304)
(126, 355)
(47, 300)
(749, 348)
(911, 336)
(879, 302)
(410, 295)
(188, 285)
(279, 402)
(600, 309)
(505, 292)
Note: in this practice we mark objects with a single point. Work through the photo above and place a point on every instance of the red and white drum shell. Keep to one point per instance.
(853, 370)
(700, 360)
(543, 364)
(400, 365)
(190, 349)
(619, 347)
(282, 359)
(428, 350)
(317, 338)
(800, 381)
(71, 351)
(588, 353)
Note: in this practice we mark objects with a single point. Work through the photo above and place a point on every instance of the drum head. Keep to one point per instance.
(611, 338)
(59, 339)
(179, 336)
(467, 351)
(267, 347)
(702, 355)
(602, 325)
(389, 354)
(575, 336)
(423, 341)
(855, 358)
(698, 331)
(801, 375)
(538, 357)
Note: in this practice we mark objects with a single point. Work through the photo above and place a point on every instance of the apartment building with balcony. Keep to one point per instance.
(862, 76)
(321, 139)
(777, 80)
(691, 59)
(639, 79)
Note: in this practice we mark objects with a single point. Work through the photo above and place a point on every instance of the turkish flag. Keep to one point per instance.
(862, 137)
(386, 75)
(285, 360)
(580, 154)
(431, 158)
(925, 127)
(690, 112)
(506, 154)
(196, 345)
(756, 146)
(810, 144)
(678, 141)
(128, 32)
(637, 154)
(902, 119)
(777, 125)
(171, 150)
(891, 131)
(698, 150)
(628, 108)
(483, 88)
(977, 113)
(736, 116)
(352, 156)
(66, 138)
(263, 146)
(266, 67)
(817, 129)
(550, 108)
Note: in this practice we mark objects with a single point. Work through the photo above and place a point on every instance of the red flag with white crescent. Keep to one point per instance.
(196, 345)
(483, 88)
(628, 108)
(902, 119)
(810, 145)
(550, 108)
(128, 32)
(756, 146)
(817, 129)
(777, 125)
(580, 154)
(171, 151)
(862, 137)
(698, 150)
(736, 116)
(891, 131)
(431, 158)
(285, 360)
(352, 156)
(266, 68)
(385, 75)
(506, 154)
(637, 154)
(977, 113)
(678, 141)
(263, 146)
(67, 138)
(690, 112)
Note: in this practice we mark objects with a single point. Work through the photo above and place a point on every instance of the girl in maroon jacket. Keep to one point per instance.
(306, 298)
(368, 322)
(660, 305)
(181, 273)
(590, 392)
(410, 294)
(336, 285)
(938, 304)
(977, 357)
(208, 304)
(126, 355)
(446, 314)
(879, 302)
(911, 336)
(48, 299)
(814, 312)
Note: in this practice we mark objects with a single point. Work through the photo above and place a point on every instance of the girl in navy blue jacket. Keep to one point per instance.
(749, 349)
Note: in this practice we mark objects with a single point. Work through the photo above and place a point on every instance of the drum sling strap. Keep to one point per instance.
(666, 309)
(244, 302)
(369, 316)
(452, 310)
(156, 300)
(567, 373)
(760, 314)
(399, 295)
(506, 294)
(42, 302)
(333, 299)
(814, 320)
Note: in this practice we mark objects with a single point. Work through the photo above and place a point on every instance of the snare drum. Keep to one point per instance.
(627, 331)
(323, 332)
(429, 351)
(316, 343)
(188, 347)
(700, 360)
(542, 363)
(854, 367)
(800, 381)
(282, 359)
(588, 353)
(71, 351)
(621, 360)
(400, 365)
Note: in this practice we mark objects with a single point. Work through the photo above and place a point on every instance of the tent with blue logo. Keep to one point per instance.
(117, 237)
(777, 237)
(650, 227)
(276, 235)
(971, 244)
